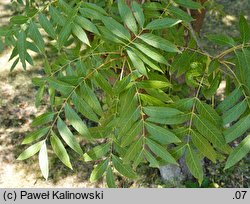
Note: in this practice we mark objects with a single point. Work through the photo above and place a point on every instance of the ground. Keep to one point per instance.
(17, 109)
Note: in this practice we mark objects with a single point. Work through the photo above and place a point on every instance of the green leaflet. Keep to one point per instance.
(237, 129)
(86, 24)
(147, 61)
(162, 23)
(68, 137)
(139, 158)
(76, 121)
(103, 83)
(80, 34)
(131, 134)
(116, 28)
(206, 111)
(19, 19)
(203, 146)
(161, 135)
(171, 120)
(43, 119)
(138, 13)
(152, 161)
(89, 96)
(159, 42)
(151, 53)
(153, 84)
(229, 101)
(138, 64)
(94, 7)
(21, 47)
(123, 169)
(178, 151)
(133, 151)
(63, 87)
(194, 164)
(244, 29)
(91, 13)
(238, 153)
(35, 135)
(39, 95)
(97, 152)
(30, 151)
(161, 112)
(189, 4)
(234, 113)
(56, 16)
(60, 150)
(46, 25)
(110, 36)
(127, 16)
(160, 151)
(99, 170)
(221, 39)
(64, 34)
(43, 161)
(84, 108)
(180, 14)
(150, 100)
(110, 178)
(121, 85)
(36, 36)
(209, 131)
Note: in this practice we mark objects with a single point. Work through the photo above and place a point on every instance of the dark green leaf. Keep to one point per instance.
(238, 153)
(43, 119)
(159, 42)
(76, 121)
(162, 23)
(68, 137)
(60, 150)
(99, 170)
(123, 169)
(35, 135)
(160, 151)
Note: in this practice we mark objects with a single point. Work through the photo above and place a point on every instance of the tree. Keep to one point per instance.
(118, 65)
